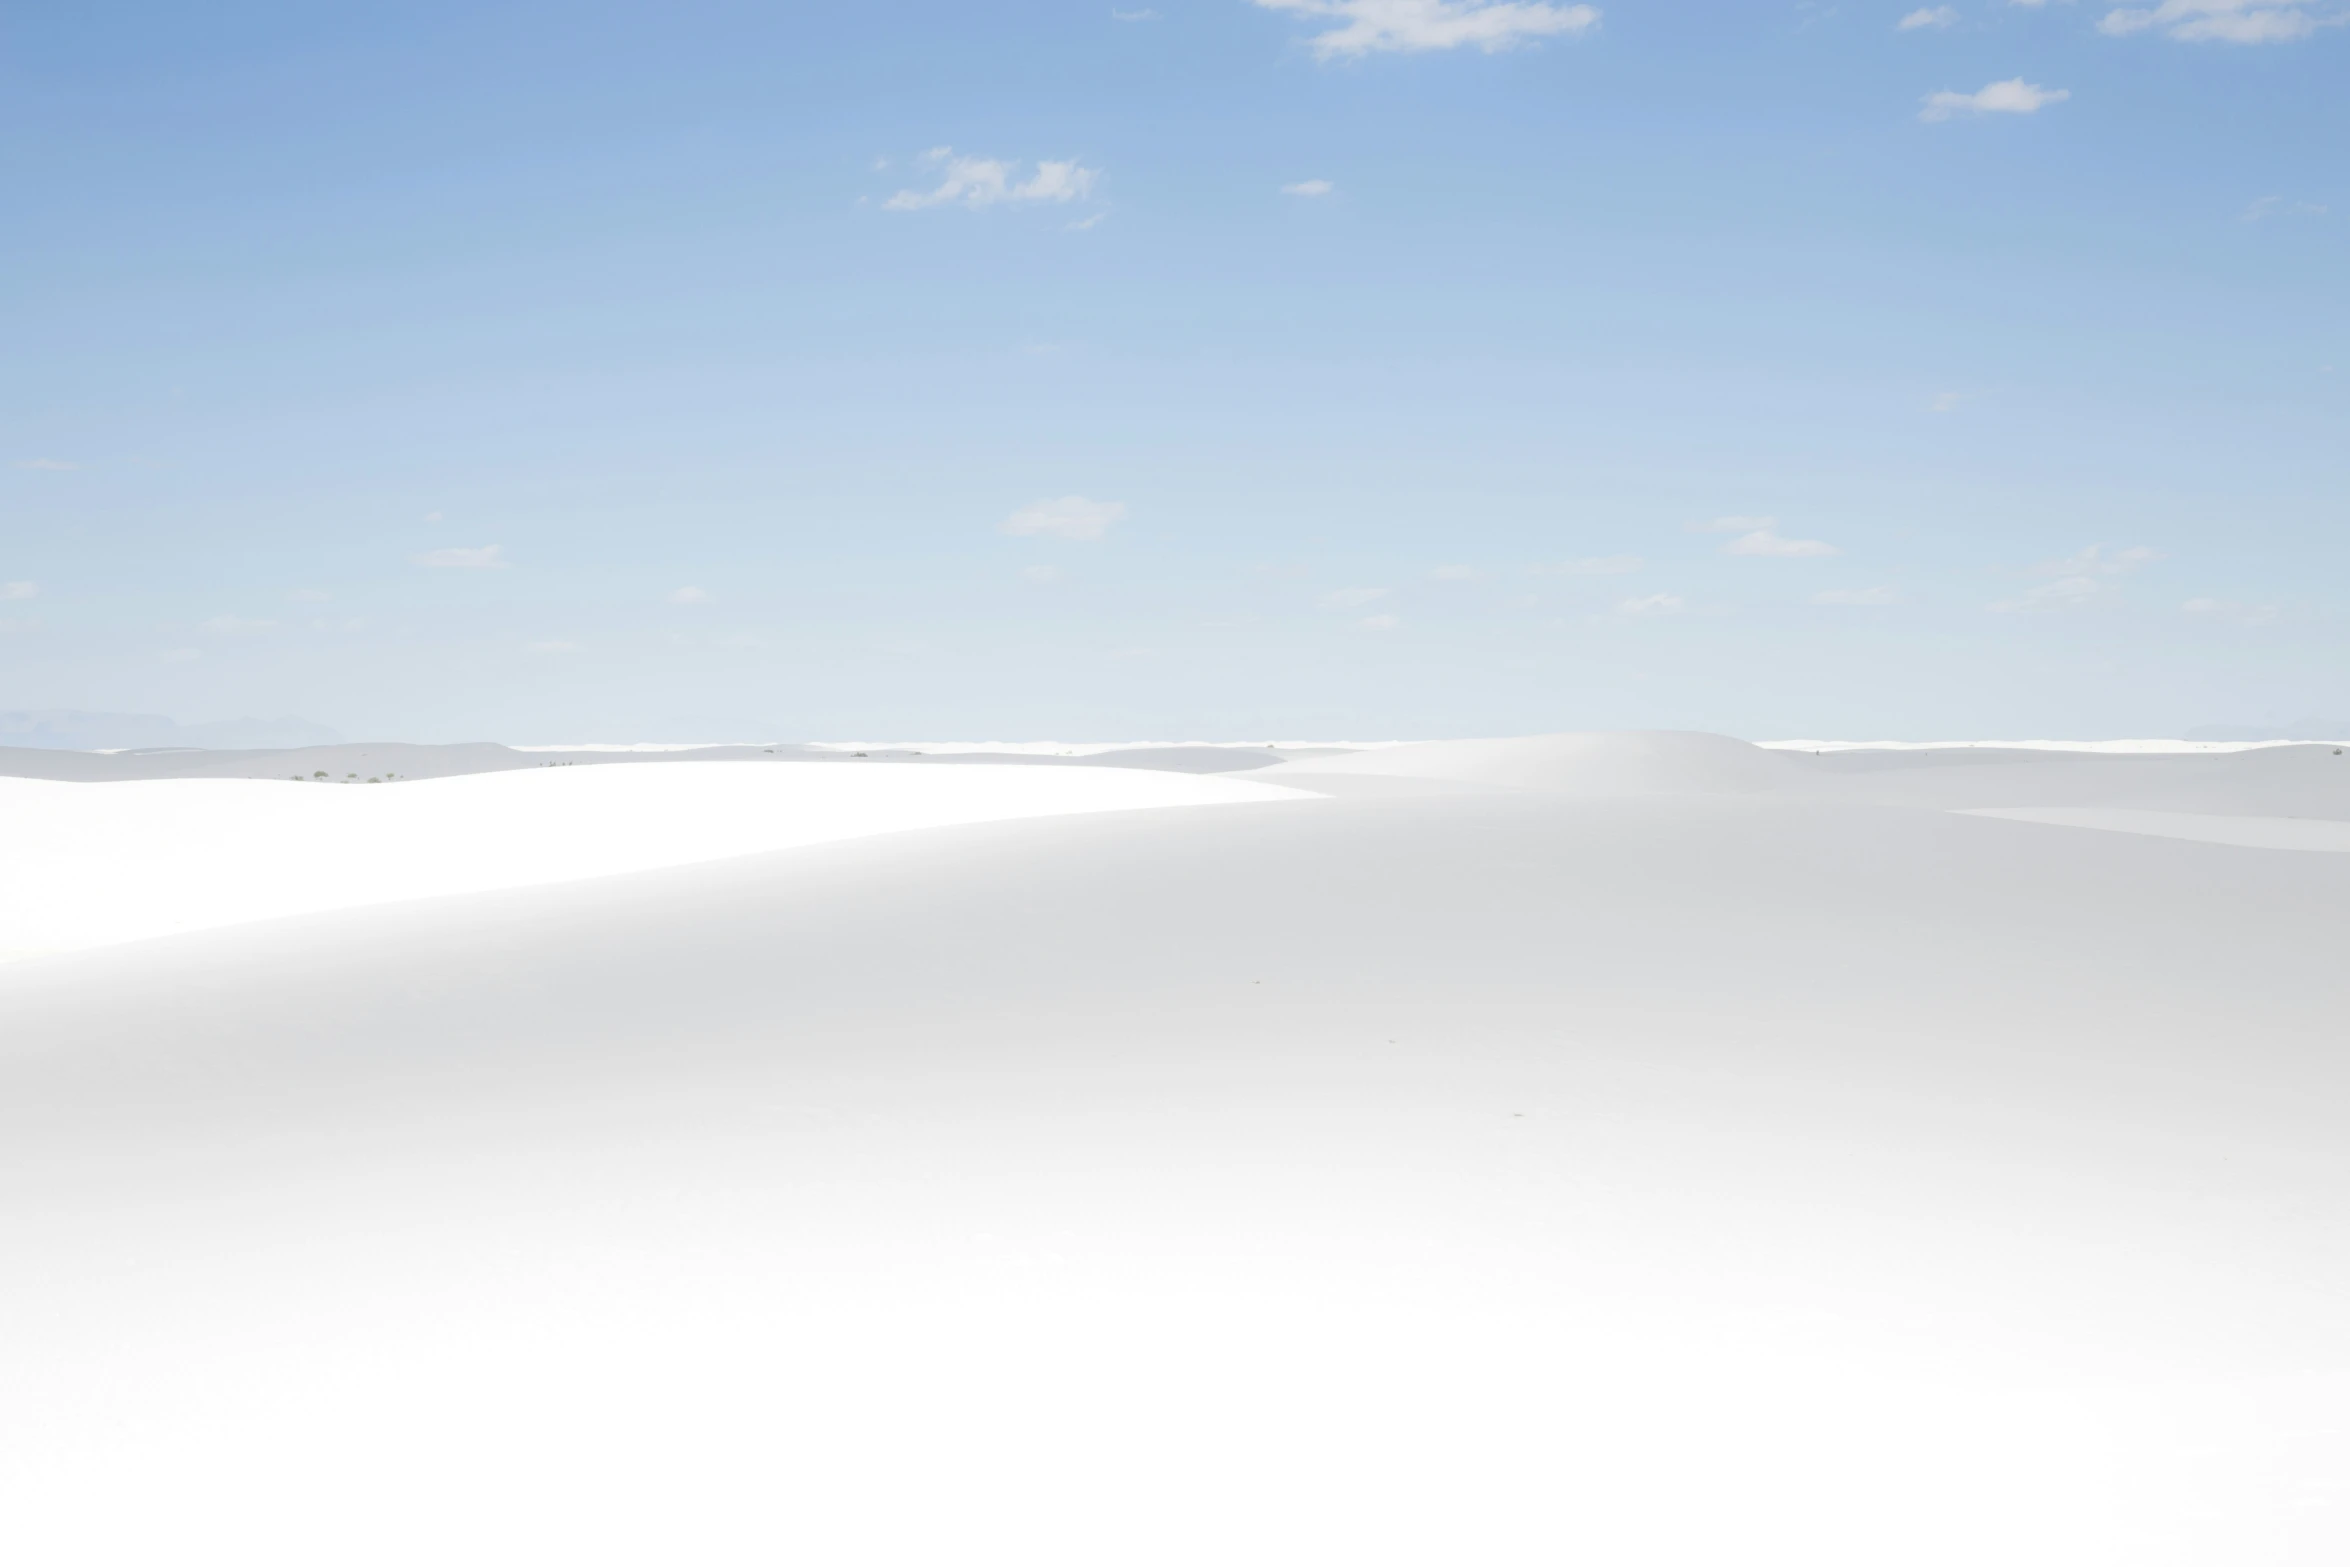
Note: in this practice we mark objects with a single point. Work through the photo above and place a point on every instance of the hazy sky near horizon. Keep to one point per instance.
(1210, 368)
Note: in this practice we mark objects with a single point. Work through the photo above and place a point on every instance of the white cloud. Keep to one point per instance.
(1352, 598)
(19, 590)
(1652, 604)
(49, 465)
(233, 626)
(1588, 566)
(1766, 541)
(984, 182)
(1857, 596)
(490, 557)
(2013, 96)
(544, 648)
(1363, 27)
(686, 596)
(1309, 188)
(2278, 206)
(2051, 595)
(2220, 21)
(1381, 622)
(1145, 15)
(2230, 610)
(1456, 574)
(1070, 517)
(1927, 16)
(2094, 561)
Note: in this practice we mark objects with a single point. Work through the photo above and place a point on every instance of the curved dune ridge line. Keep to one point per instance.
(84, 865)
(1596, 763)
(2306, 834)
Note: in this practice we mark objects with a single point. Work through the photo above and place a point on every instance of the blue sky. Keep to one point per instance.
(1214, 367)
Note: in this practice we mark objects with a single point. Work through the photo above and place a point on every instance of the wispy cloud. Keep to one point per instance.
(2279, 207)
(987, 182)
(19, 590)
(1145, 15)
(2221, 21)
(1070, 517)
(2079, 577)
(49, 465)
(1309, 188)
(1361, 27)
(1760, 536)
(1587, 566)
(1042, 576)
(1380, 622)
(1651, 605)
(489, 557)
(2013, 96)
(1765, 542)
(1352, 598)
(1856, 596)
(1927, 16)
(686, 596)
(2231, 611)
(235, 626)
(2096, 560)
(1945, 402)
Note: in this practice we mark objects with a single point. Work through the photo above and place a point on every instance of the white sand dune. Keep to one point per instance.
(1585, 1150)
(90, 864)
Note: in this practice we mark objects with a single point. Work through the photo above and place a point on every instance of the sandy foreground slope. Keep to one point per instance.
(1593, 1149)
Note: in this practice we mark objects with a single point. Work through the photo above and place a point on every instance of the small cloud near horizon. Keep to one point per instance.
(2094, 561)
(2232, 611)
(1145, 15)
(489, 557)
(1361, 27)
(1652, 604)
(1070, 517)
(49, 465)
(1761, 536)
(2013, 96)
(2277, 206)
(1308, 188)
(1587, 566)
(1927, 16)
(986, 182)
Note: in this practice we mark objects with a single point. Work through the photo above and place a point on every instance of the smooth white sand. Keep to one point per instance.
(87, 865)
(1588, 1158)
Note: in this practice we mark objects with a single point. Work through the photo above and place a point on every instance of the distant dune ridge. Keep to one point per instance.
(61, 729)
(1649, 1150)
